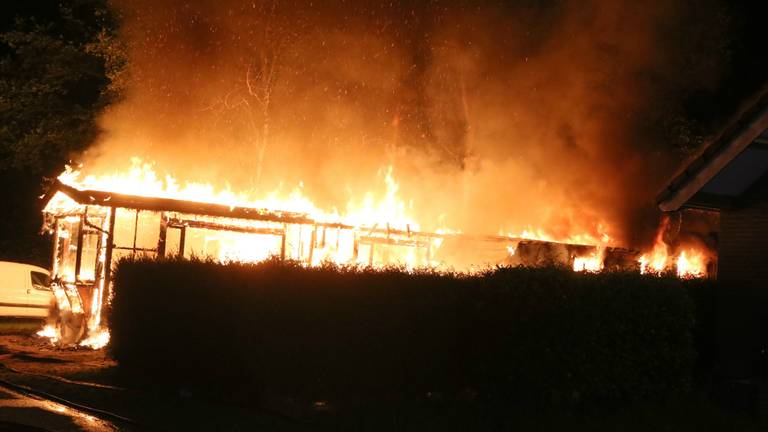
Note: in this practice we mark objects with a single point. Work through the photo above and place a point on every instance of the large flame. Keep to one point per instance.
(142, 179)
(352, 236)
(691, 263)
(381, 208)
(686, 262)
(378, 209)
(590, 263)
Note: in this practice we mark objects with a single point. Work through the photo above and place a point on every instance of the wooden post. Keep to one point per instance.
(98, 272)
(182, 240)
(108, 254)
(312, 245)
(79, 254)
(55, 252)
(370, 256)
(135, 231)
(282, 243)
(163, 234)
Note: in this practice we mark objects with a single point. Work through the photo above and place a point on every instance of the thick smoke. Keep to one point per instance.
(494, 118)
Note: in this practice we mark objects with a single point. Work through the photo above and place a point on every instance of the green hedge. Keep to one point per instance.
(331, 333)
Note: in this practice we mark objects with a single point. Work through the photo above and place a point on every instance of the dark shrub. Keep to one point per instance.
(336, 333)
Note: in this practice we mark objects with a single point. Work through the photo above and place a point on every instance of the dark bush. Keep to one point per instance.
(341, 334)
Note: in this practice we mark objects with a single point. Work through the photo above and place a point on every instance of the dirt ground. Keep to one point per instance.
(89, 377)
(35, 355)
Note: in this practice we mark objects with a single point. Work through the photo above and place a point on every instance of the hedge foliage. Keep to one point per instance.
(342, 333)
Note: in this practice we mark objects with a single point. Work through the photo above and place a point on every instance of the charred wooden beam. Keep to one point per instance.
(135, 231)
(110, 246)
(393, 241)
(112, 199)
(179, 223)
(79, 254)
(135, 249)
(182, 240)
(163, 234)
(55, 252)
(312, 244)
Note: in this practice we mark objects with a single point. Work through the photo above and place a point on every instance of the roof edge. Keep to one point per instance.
(745, 127)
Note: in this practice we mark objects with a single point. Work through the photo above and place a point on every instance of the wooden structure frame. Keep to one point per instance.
(87, 241)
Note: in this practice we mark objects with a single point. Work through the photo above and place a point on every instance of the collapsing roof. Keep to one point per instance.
(179, 213)
(112, 199)
(726, 169)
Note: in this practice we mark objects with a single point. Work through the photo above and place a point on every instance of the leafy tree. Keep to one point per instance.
(60, 65)
(54, 80)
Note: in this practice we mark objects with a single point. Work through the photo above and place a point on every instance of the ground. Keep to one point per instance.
(91, 379)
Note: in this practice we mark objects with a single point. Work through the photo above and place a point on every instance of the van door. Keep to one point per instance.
(39, 294)
(13, 291)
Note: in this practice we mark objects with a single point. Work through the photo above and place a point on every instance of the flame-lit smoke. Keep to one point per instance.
(495, 118)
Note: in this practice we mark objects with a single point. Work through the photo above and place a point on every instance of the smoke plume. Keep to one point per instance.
(494, 118)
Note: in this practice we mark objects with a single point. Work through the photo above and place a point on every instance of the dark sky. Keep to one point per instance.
(747, 68)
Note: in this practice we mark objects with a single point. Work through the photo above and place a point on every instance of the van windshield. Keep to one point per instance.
(40, 280)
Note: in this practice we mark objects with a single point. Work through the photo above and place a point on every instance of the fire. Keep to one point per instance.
(599, 237)
(688, 262)
(50, 332)
(589, 263)
(375, 212)
(142, 180)
(691, 264)
(375, 229)
(658, 259)
(97, 338)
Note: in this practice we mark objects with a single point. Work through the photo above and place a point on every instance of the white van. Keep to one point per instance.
(25, 290)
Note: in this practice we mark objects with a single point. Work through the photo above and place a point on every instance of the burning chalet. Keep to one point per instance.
(93, 229)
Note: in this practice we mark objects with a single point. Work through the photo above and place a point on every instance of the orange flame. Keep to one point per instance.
(687, 263)
(590, 263)
(690, 264)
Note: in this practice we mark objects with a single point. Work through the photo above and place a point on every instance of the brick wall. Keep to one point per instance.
(743, 251)
(742, 294)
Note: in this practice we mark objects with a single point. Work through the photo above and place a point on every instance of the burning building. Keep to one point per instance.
(506, 147)
(92, 229)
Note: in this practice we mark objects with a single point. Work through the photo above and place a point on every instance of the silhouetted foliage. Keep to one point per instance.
(355, 335)
(60, 66)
